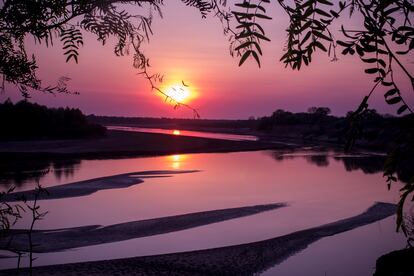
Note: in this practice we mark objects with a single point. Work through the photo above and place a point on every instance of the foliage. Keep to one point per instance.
(401, 158)
(247, 41)
(25, 120)
(9, 214)
(384, 37)
(37, 215)
(14, 212)
(409, 228)
(386, 26)
(376, 131)
(48, 20)
(322, 111)
(285, 118)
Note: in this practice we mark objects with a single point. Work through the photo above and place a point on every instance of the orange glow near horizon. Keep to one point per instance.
(176, 132)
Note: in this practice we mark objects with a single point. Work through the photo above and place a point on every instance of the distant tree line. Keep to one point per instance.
(25, 121)
(373, 130)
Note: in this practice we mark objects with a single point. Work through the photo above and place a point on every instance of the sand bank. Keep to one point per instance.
(62, 239)
(90, 186)
(243, 259)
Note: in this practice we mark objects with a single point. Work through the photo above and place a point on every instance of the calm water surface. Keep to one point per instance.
(319, 188)
(203, 134)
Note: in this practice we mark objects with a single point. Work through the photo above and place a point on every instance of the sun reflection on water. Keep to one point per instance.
(176, 160)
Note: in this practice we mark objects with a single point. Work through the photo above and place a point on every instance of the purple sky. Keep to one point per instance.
(186, 47)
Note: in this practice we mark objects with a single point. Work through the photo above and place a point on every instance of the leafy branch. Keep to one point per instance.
(251, 34)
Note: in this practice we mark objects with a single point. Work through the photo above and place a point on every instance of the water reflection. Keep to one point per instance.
(316, 196)
(176, 160)
(22, 171)
(368, 164)
(18, 172)
(214, 135)
(318, 160)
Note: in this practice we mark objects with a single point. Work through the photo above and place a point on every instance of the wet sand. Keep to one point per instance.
(63, 239)
(243, 259)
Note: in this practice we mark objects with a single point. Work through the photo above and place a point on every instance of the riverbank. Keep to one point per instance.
(128, 144)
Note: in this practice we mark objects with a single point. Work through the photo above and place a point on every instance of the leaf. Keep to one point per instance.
(402, 52)
(305, 26)
(325, 2)
(321, 35)
(384, 83)
(307, 36)
(391, 92)
(371, 70)
(244, 57)
(243, 45)
(334, 13)
(320, 46)
(411, 46)
(343, 43)
(263, 16)
(402, 109)
(388, 12)
(260, 36)
(382, 62)
(308, 12)
(369, 60)
(256, 57)
(393, 100)
(359, 50)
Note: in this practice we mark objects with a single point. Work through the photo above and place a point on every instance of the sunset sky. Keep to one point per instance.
(186, 47)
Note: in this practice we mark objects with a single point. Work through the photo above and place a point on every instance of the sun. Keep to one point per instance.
(178, 93)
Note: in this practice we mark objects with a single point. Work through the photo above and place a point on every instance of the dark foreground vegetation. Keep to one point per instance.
(26, 121)
(399, 262)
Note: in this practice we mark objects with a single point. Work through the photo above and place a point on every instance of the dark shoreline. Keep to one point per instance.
(126, 144)
(118, 144)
